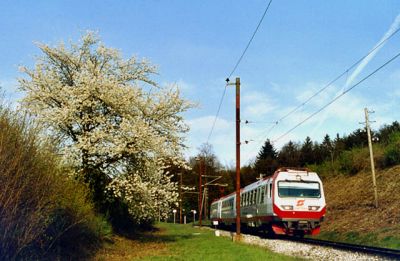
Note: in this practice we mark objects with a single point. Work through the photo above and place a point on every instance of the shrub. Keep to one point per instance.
(42, 211)
(353, 161)
(392, 155)
(392, 152)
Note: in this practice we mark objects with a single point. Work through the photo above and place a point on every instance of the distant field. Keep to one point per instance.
(183, 242)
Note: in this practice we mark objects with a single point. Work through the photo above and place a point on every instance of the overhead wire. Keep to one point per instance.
(345, 72)
(216, 115)
(235, 67)
(251, 39)
(337, 97)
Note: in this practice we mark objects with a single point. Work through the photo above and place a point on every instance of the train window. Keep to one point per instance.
(250, 196)
(262, 195)
(299, 189)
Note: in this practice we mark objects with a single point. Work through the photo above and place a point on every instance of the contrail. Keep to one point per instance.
(393, 27)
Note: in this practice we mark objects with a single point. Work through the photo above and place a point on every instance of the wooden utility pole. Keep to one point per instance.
(237, 156)
(237, 84)
(371, 154)
(200, 189)
(180, 199)
(205, 202)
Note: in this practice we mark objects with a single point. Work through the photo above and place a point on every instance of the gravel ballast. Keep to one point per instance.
(299, 249)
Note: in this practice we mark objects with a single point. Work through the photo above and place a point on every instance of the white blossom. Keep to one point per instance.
(111, 116)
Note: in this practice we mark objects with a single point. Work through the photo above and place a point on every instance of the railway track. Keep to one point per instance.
(370, 250)
(377, 251)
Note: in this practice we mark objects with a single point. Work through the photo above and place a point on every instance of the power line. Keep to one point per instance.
(337, 97)
(216, 116)
(345, 72)
(234, 69)
(251, 39)
(341, 75)
(336, 78)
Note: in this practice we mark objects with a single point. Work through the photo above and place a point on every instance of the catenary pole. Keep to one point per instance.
(200, 189)
(180, 199)
(371, 156)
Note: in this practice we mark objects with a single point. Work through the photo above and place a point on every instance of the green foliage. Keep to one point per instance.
(266, 162)
(392, 151)
(392, 155)
(386, 132)
(43, 213)
(353, 161)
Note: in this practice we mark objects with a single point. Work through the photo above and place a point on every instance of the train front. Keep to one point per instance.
(298, 203)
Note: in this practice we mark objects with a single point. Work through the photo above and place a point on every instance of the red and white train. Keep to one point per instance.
(291, 202)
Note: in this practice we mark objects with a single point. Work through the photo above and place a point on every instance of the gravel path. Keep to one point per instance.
(303, 250)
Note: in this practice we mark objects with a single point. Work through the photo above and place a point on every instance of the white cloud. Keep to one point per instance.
(256, 105)
(200, 128)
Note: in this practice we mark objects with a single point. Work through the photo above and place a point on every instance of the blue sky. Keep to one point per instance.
(300, 46)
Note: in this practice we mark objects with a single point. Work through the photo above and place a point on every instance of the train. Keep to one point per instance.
(290, 202)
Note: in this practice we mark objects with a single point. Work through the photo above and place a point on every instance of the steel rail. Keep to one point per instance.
(378, 251)
(371, 250)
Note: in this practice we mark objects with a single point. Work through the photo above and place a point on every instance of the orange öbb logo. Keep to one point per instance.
(300, 203)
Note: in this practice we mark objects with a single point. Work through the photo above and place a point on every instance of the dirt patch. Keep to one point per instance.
(133, 247)
(350, 203)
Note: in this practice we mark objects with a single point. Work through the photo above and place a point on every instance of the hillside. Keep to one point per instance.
(351, 215)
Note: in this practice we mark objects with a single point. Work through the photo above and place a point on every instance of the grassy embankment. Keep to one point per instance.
(351, 215)
(182, 242)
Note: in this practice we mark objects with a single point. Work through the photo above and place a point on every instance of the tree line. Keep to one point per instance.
(340, 155)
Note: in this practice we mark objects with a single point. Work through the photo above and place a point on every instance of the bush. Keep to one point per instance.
(353, 161)
(392, 155)
(42, 211)
(392, 152)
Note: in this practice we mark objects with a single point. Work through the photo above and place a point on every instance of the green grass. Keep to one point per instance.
(187, 243)
(369, 239)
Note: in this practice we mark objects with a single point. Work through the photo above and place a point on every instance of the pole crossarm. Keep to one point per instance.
(218, 184)
(215, 179)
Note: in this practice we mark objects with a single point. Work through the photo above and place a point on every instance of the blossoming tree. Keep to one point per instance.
(115, 124)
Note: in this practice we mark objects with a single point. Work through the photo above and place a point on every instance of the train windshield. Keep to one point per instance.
(299, 189)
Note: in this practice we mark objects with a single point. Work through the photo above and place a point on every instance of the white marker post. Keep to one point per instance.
(194, 216)
(174, 211)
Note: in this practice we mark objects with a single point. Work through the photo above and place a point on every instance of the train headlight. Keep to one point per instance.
(287, 207)
(313, 208)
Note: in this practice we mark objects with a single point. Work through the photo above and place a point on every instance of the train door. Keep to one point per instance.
(269, 197)
(219, 209)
